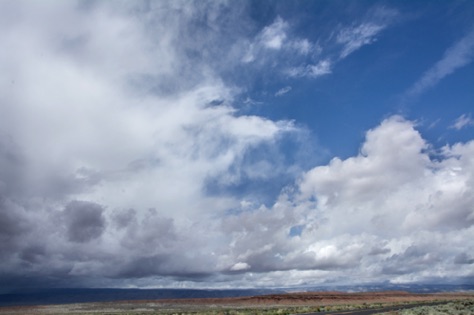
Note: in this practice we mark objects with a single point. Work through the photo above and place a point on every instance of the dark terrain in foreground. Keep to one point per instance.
(291, 303)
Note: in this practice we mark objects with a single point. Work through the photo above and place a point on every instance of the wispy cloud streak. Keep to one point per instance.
(457, 56)
(283, 91)
(312, 71)
(463, 121)
(354, 38)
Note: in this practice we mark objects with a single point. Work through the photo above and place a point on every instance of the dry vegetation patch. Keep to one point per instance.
(266, 305)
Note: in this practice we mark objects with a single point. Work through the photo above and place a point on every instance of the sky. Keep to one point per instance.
(236, 144)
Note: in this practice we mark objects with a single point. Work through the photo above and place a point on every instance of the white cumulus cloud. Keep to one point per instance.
(389, 213)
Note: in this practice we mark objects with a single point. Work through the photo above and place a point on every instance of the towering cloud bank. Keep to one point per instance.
(400, 210)
(125, 160)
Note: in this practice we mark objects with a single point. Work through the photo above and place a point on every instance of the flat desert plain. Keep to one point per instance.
(291, 303)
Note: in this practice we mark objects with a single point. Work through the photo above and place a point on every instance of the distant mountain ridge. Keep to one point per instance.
(66, 296)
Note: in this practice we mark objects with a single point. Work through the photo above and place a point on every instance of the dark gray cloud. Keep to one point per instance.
(123, 219)
(84, 221)
(412, 259)
(174, 266)
(153, 233)
(34, 254)
(13, 225)
(463, 259)
(377, 250)
(12, 166)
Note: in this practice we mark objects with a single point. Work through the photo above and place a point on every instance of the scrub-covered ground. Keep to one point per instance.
(267, 304)
(453, 308)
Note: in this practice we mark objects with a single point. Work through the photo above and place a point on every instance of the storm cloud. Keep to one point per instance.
(125, 156)
(84, 221)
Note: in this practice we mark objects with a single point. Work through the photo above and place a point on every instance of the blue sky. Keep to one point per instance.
(236, 144)
(375, 79)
